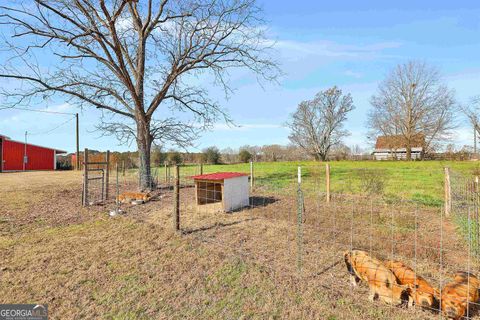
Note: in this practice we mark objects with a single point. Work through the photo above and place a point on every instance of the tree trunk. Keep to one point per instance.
(409, 152)
(320, 156)
(144, 143)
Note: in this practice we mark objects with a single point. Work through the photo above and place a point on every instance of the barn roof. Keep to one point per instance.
(57, 151)
(398, 141)
(219, 176)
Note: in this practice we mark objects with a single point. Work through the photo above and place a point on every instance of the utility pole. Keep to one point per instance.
(78, 143)
(25, 153)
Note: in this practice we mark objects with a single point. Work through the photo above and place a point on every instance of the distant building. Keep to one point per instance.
(21, 156)
(394, 148)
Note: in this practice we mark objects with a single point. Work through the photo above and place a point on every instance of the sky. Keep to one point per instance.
(319, 44)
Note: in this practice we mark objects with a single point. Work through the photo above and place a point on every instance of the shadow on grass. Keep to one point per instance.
(215, 226)
(259, 201)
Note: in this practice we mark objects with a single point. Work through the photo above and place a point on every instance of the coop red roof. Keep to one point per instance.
(219, 176)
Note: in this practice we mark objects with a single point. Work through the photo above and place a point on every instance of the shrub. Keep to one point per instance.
(245, 156)
(211, 155)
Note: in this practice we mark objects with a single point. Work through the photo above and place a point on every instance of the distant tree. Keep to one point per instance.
(211, 155)
(412, 102)
(472, 111)
(273, 152)
(317, 125)
(175, 157)
(340, 152)
(157, 156)
(229, 155)
(255, 151)
(244, 156)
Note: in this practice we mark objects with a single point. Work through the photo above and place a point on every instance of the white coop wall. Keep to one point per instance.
(236, 193)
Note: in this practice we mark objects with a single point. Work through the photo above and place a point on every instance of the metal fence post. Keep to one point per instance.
(166, 174)
(85, 177)
(251, 176)
(107, 175)
(300, 209)
(327, 181)
(117, 189)
(176, 192)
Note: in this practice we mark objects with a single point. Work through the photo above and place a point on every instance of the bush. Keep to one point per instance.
(175, 158)
(211, 155)
(372, 181)
(64, 165)
(157, 157)
(245, 156)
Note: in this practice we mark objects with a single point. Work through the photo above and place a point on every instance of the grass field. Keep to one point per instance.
(420, 181)
(85, 264)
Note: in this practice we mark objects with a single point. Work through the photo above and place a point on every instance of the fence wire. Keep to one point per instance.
(299, 236)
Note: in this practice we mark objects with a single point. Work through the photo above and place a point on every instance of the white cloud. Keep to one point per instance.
(333, 49)
(64, 107)
(243, 127)
(353, 74)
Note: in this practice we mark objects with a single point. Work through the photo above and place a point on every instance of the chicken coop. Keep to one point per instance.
(222, 191)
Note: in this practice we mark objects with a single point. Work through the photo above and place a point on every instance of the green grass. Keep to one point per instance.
(419, 181)
(469, 229)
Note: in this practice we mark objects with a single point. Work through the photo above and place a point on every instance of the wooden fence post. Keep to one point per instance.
(327, 181)
(448, 193)
(166, 174)
(252, 178)
(85, 178)
(201, 168)
(169, 169)
(107, 177)
(117, 190)
(176, 192)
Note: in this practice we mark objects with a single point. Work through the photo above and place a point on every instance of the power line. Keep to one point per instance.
(53, 129)
(42, 111)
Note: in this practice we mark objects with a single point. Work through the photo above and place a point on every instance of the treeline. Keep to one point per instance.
(213, 155)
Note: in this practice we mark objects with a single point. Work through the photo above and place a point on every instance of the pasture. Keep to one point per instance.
(420, 181)
(84, 263)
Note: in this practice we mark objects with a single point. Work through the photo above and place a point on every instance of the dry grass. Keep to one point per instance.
(85, 264)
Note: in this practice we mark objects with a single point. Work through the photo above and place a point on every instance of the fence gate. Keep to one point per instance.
(95, 186)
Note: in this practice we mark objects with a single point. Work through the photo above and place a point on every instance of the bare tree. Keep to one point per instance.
(472, 111)
(146, 64)
(317, 125)
(411, 103)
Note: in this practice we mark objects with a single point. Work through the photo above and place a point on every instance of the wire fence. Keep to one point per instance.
(301, 227)
(465, 201)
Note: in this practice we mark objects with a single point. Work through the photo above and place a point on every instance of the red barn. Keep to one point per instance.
(18, 156)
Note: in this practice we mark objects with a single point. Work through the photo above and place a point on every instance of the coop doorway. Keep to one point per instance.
(209, 192)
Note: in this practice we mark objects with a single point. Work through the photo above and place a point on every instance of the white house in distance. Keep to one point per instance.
(394, 148)
(222, 191)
